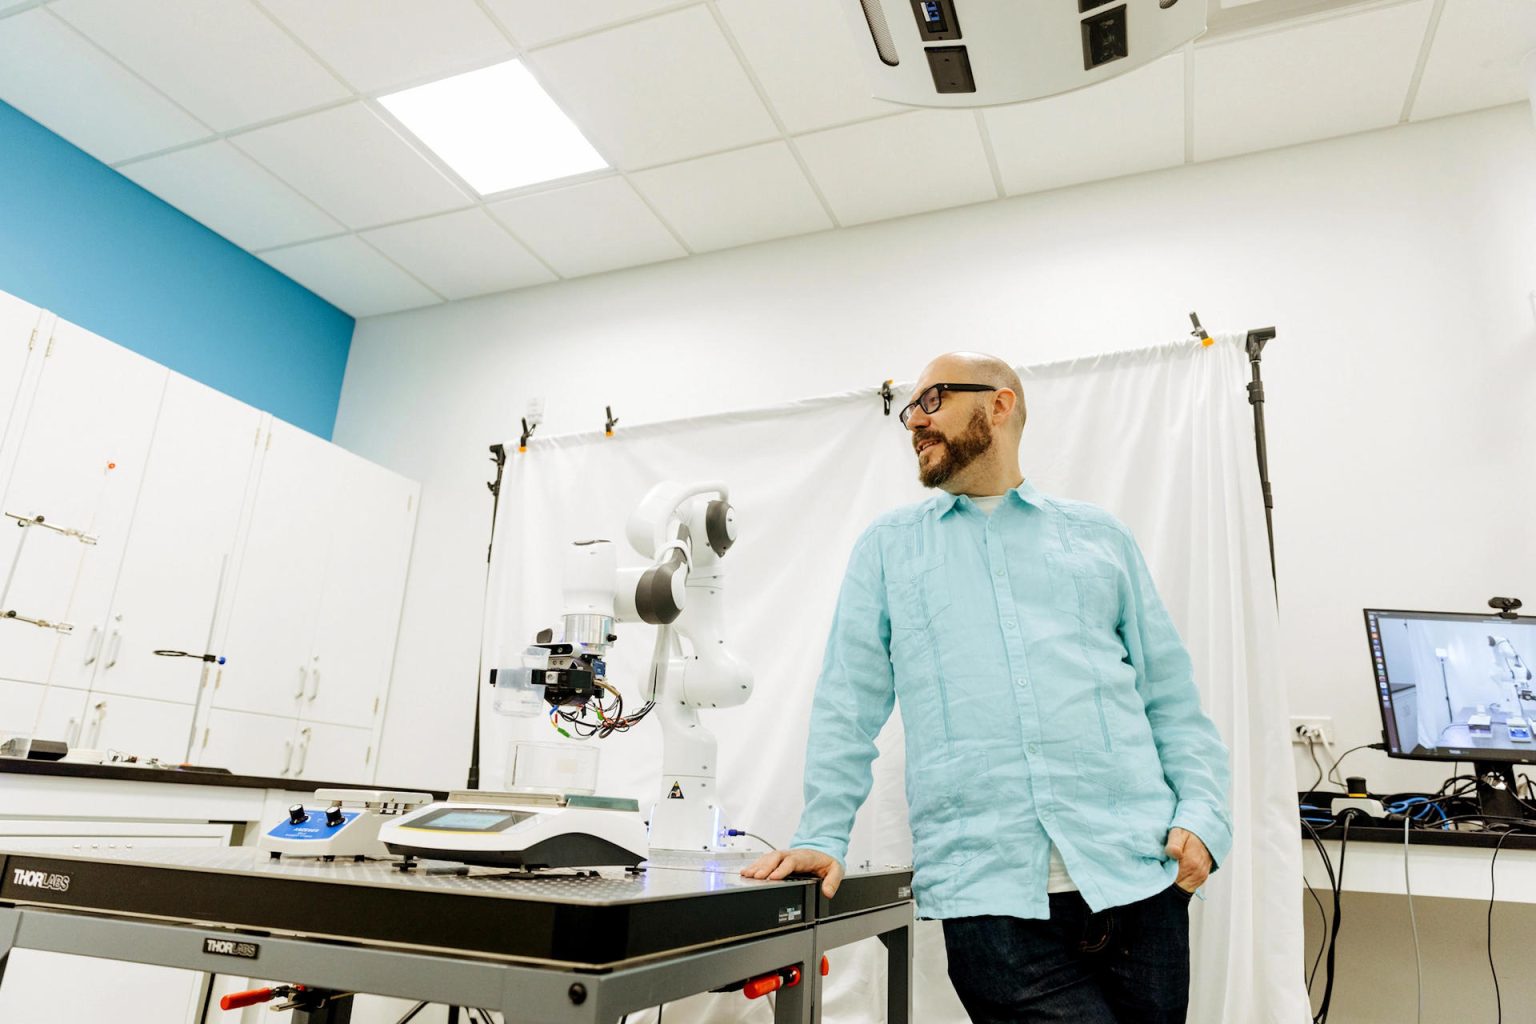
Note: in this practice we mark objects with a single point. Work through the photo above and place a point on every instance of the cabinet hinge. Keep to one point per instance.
(375, 705)
(205, 737)
(49, 350)
(32, 341)
(269, 441)
(410, 502)
(368, 756)
(218, 677)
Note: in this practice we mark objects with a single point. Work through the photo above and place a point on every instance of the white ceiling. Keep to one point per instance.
(726, 122)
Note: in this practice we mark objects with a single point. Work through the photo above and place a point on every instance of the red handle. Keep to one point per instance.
(826, 968)
(251, 997)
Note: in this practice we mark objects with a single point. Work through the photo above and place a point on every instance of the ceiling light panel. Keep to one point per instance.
(496, 127)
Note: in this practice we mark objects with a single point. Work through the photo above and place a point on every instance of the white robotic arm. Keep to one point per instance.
(685, 529)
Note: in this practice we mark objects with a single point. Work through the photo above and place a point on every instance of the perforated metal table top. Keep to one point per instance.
(606, 918)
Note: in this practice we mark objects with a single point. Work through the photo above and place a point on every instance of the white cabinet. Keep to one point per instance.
(359, 616)
(180, 551)
(131, 725)
(332, 753)
(316, 607)
(20, 326)
(270, 646)
(247, 744)
(176, 519)
(282, 747)
(50, 713)
(79, 463)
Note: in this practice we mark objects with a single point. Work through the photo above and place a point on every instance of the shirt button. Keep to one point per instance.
(999, 572)
(1023, 682)
(1034, 748)
(1008, 624)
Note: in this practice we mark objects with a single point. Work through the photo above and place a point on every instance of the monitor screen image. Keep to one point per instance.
(1455, 687)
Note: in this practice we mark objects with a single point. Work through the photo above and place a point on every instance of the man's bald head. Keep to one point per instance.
(977, 368)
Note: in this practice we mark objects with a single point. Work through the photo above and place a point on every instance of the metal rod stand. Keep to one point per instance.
(1257, 339)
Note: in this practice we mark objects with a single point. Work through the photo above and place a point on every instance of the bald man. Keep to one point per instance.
(1067, 794)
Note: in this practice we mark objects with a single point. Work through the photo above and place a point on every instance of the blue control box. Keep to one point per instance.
(314, 828)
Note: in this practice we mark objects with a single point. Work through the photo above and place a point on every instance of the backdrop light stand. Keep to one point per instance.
(498, 456)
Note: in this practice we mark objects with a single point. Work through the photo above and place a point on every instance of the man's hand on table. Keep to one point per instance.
(783, 863)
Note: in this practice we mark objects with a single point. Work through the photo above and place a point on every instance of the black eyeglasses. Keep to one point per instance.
(933, 397)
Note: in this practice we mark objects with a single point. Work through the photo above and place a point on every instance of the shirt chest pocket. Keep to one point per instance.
(919, 598)
(1088, 591)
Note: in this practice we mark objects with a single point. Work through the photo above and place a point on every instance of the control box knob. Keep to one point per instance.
(297, 815)
(333, 816)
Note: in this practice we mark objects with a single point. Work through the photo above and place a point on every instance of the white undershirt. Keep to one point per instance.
(1058, 880)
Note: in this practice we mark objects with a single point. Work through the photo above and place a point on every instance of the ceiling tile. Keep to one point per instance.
(1476, 58)
(356, 167)
(813, 79)
(378, 45)
(534, 24)
(351, 276)
(1313, 81)
(925, 160)
(460, 255)
(229, 192)
(588, 228)
(749, 195)
(657, 91)
(55, 77)
(1121, 126)
(223, 60)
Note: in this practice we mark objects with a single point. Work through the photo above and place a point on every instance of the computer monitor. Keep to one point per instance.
(1455, 687)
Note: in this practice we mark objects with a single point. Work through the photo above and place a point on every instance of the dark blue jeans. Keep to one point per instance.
(1124, 965)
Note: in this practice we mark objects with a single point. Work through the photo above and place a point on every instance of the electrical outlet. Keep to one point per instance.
(1318, 727)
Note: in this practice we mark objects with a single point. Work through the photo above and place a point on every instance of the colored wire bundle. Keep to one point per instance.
(596, 717)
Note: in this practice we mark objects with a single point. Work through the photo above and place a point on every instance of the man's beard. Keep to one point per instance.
(958, 453)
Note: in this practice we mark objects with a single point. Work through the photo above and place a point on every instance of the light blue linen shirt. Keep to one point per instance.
(1045, 697)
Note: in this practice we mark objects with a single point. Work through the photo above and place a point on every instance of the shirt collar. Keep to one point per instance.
(1025, 492)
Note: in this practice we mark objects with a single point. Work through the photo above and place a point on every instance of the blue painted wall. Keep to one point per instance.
(83, 241)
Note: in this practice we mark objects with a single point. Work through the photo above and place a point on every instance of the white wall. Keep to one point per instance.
(1396, 265)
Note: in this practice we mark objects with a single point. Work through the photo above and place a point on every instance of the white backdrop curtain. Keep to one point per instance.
(1162, 437)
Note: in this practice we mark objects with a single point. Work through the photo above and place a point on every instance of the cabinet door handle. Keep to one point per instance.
(314, 691)
(303, 752)
(287, 756)
(97, 719)
(303, 682)
(93, 646)
(114, 647)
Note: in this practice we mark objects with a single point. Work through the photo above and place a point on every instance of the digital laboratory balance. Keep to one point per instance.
(521, 830)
